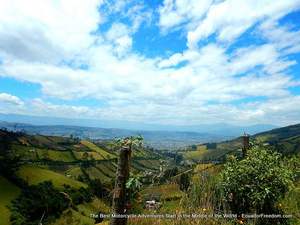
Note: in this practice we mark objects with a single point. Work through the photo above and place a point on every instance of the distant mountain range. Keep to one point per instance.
(158, 136)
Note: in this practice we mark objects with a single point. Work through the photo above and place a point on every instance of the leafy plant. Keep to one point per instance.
(255, 183)
(132, 141)
(134, 185)
(37, 201)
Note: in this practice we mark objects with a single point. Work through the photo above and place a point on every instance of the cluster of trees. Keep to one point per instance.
(256, 183)
(9, 162)
(38, 202)
(44, 202)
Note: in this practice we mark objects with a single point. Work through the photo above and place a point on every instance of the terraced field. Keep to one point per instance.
(54, 155)
(151, 165)
(194, 155)
(65, 161)
(165, 192)
(74, 172)
(95, 173)
(25, 152)
(89, 155)
(35, 175)
(100, 151)
(107, 169)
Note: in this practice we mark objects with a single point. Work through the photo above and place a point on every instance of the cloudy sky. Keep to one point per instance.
(180, 62)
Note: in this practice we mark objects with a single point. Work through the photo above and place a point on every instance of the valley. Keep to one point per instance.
(86, 170)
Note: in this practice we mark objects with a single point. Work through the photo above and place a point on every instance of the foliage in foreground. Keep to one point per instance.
(256, 183)
(44, 202)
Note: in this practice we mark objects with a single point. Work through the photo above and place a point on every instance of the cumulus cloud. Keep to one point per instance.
(120, 35)
(63, 51)
(174, 13)
(230, 18)
(47, 31)
(10, 99)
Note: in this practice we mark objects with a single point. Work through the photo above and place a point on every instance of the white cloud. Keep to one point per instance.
(120, 35)
(48, 47)
(10, 99)
(282, 37)
(280, 111)
(230, 18)
(174, 13)
(47, 31)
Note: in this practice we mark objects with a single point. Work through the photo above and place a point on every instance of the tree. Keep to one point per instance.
(255, 183)
(37, 201)
(9, 162)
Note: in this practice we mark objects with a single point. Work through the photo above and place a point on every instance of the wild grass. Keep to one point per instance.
(165, 191)
(73, 217)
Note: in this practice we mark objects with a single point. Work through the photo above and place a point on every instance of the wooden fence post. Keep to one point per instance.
(119, 194)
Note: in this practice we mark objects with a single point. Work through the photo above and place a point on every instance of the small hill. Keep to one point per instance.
(285, 140)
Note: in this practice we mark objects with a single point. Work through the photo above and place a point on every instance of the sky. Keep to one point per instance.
(169, 62)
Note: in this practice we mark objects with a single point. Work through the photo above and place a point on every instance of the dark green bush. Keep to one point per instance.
(256, 183)
(36, 200)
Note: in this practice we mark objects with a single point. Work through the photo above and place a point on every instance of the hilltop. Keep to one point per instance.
(285, 140)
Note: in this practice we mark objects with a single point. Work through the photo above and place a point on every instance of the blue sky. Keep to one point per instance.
(179, 62)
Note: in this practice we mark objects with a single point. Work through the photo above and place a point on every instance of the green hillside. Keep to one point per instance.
(35, 175)
(8, 192)
(84, 171)
(285, 140)
(100, 151)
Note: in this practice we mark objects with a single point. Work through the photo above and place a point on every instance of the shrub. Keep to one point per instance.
(255, 183)
(36, 200)
(184, 182)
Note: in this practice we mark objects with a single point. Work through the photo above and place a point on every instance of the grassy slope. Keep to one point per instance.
(95, 173)
(35, 175)
(64, 156)
(285, 139)
(71, 216)
(165, 191)
(95, 148)
(8, 192)
(81, 216)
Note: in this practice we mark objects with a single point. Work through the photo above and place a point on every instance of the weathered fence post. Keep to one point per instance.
(119, 195)
(246, 144)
